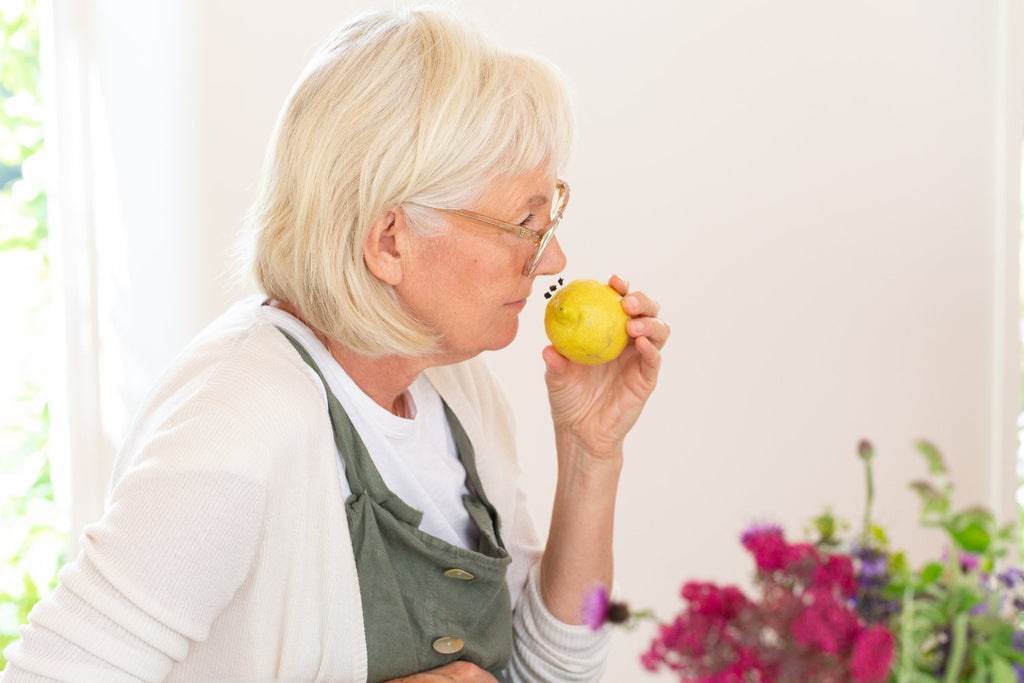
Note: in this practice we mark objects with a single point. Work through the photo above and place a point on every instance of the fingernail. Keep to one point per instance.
(629, 301)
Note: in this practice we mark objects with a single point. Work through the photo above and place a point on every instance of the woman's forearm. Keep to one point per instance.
(578, 556)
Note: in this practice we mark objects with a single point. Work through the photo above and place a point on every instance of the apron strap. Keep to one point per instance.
(360, 471)
(468, 457)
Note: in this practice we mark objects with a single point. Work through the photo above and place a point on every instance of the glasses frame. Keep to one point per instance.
(540, 237)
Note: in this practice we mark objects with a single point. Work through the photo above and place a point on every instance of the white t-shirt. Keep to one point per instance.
(415, 456)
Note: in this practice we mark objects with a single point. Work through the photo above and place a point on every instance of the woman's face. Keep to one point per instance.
(471, 283)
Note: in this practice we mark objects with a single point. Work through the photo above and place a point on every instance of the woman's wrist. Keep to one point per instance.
(591, 458)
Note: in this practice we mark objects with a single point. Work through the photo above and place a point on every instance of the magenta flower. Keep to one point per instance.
(599, 610)
(758, 530)
(872, 655)
(714, 601)
(836, 573)
(595, 608)
(767, 545)
(826, 625)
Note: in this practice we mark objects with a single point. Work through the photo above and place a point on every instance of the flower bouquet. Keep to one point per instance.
(836, 610)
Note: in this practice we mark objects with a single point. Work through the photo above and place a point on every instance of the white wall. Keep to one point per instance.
(822, 195)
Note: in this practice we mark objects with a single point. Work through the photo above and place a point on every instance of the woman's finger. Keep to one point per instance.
(639, 304)
(655, 329)
(619, 284)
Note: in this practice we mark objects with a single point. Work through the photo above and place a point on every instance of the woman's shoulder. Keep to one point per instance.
(241, 362)
(236, 395)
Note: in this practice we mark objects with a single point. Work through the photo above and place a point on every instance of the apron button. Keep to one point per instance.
(448, 646)
(460, 574)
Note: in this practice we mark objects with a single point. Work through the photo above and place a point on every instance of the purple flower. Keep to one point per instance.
(760, 529)
(1012, 577)
(873, 564)
(968, 562)
(595, 608)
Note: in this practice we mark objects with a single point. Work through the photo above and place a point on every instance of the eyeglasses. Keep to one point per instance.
(540, 238)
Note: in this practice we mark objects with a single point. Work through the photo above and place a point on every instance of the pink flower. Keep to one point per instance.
(768, 547)
(756, 530)
(651, 659)
(711, 600)
(872, 655)
(826, 625)
(801, 553)
(595, 608)
(836, 573)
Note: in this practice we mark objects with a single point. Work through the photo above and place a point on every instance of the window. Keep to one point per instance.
(32, 527)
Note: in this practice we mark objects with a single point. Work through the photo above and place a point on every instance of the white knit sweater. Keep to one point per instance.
(224, 553)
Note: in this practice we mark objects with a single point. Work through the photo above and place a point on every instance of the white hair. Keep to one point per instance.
(412, 109)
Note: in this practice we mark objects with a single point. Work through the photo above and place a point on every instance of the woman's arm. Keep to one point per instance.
(153, 574)
(593, 408)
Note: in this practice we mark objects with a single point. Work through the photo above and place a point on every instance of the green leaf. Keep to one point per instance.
(973, 538)
(932, 455)
(981, 673)
(934, 503)
(898, 564)
(1002, 671)
(931, 572)
(827, 526)
(972, 530)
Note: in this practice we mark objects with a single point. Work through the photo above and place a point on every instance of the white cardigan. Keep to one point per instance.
(224, 553)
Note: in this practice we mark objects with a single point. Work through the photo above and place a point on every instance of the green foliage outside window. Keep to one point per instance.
(31, 536)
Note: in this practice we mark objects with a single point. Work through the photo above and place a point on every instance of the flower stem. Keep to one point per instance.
(866, 453)
(907, 634)
(959, 649)
(636, 617)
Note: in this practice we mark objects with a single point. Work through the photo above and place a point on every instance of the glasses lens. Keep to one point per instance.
(558, 205)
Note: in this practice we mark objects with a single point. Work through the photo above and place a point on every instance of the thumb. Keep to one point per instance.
(555, 362)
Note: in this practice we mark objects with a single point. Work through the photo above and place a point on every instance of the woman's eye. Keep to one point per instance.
(526, 223)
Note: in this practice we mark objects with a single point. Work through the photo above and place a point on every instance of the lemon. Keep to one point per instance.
(585, 322)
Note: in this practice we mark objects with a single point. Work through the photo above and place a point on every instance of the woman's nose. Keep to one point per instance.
(552, 260)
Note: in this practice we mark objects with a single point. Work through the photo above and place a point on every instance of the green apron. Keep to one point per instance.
(426, 602)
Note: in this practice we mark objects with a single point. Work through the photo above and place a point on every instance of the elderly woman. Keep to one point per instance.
(324, 486)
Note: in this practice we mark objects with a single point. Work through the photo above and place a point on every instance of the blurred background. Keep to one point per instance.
(824, 197)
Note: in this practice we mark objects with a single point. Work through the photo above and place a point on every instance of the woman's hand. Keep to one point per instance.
(456, 672)
(593, 407)
(598, 404)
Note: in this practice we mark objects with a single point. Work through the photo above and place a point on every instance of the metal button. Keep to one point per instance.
(460, 574)
(448, 645)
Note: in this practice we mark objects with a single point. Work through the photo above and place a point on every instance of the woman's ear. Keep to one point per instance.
(385, 245)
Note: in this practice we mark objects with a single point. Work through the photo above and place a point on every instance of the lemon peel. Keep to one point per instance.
(585, 322)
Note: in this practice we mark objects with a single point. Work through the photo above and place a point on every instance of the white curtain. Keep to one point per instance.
(128, 247)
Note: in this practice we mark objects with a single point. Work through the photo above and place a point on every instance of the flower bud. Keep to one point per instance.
(865, 450)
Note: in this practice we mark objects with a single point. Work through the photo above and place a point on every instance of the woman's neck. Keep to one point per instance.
(384, 379)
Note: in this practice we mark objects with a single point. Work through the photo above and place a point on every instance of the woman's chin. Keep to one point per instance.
(498, 337)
